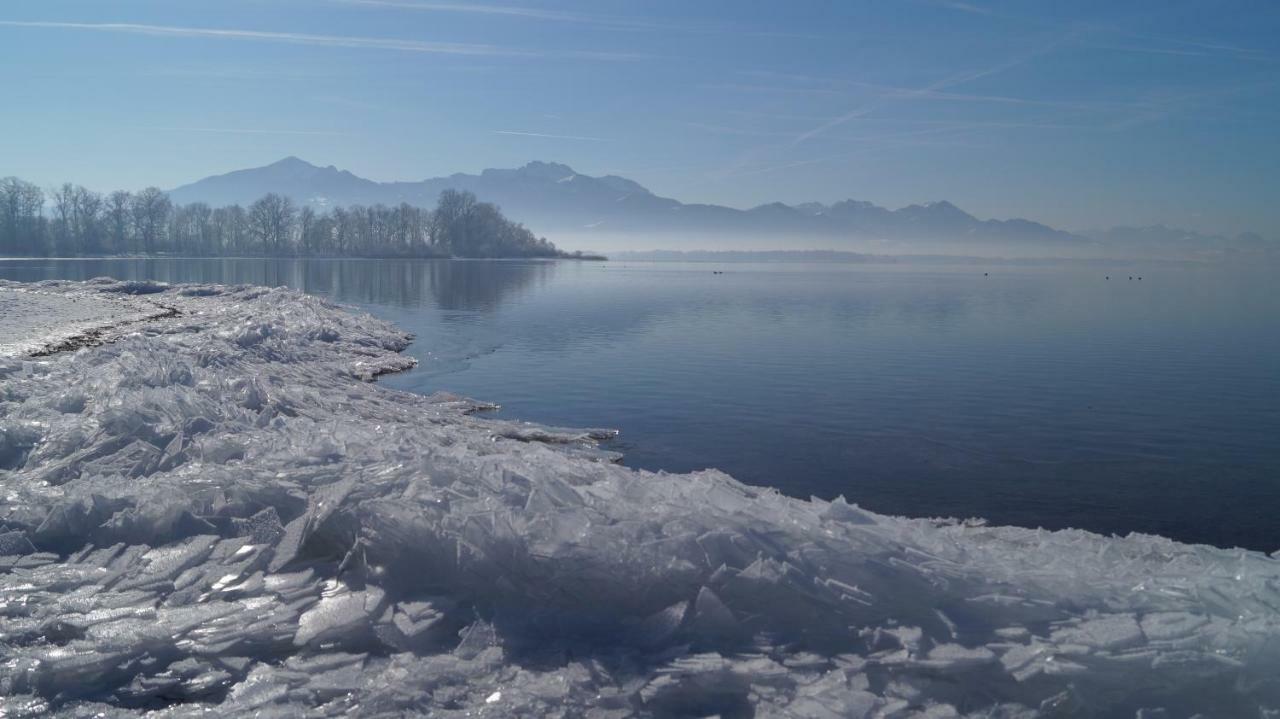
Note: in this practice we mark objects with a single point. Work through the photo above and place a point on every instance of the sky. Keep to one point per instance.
(1080, 114)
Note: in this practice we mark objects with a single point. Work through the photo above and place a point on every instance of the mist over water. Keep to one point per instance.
(1033, 395)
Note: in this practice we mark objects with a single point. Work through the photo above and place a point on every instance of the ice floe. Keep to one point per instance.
(214, 512)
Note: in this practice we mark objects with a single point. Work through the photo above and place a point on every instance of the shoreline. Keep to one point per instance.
(227, 492)
(425, 258)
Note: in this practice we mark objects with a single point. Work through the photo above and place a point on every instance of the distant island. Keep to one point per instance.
(72, 221)
(614, 213)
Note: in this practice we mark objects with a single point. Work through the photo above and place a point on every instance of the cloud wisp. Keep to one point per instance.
(949, 136)
(615, 22)
(943, 84)
(250, 131)
(806, 84)
(549, 136)
(1164, 45)
(338, 41)
(500, 10)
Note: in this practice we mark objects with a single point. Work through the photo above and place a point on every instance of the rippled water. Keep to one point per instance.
(1041, 396)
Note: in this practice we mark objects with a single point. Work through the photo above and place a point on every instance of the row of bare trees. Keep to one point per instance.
(71, 221)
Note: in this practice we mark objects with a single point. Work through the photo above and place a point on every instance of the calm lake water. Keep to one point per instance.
(1039, 396)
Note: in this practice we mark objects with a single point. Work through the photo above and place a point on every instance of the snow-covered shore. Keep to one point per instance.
(214, 512)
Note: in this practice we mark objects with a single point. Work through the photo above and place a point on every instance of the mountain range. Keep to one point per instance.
(612, 212)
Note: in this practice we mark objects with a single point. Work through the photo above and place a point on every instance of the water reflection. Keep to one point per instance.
(478, 285)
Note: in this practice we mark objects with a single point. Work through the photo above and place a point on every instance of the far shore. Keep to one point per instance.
(714, 256)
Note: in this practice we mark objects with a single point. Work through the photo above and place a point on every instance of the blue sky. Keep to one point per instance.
(1081, 114)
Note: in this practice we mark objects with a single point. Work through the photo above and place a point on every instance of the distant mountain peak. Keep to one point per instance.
(549, 170)
(942, 206)
(775, 208)
(938, 207)
(294, 161)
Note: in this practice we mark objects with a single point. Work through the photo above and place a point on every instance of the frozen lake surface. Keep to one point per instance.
(1037, 395)
(217, 513)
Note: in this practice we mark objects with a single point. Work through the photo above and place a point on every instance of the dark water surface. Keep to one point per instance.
(1040, 396)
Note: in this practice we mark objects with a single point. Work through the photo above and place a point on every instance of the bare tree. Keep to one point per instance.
(238, 222)
(341, 230)
(448, 222)
(118, 215)
(62, 198)
(150, 209)
(306, 230)
(271, 220)
(200, 216)
(21, 222)
(191, 231)
(86, 214)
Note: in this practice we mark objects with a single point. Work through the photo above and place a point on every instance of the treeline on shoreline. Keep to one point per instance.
(71, 221)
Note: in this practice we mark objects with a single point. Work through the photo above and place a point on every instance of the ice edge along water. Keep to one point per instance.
(215, 512)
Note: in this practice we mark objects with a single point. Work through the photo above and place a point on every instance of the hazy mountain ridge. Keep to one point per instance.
(1172, 237)
(555, 200)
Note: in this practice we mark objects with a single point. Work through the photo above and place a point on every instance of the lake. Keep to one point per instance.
(1030, 395)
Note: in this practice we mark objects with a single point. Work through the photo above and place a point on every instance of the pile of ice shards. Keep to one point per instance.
(214, 513)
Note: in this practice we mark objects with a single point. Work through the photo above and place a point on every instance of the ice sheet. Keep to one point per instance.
(32, 321)
(216, 512)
